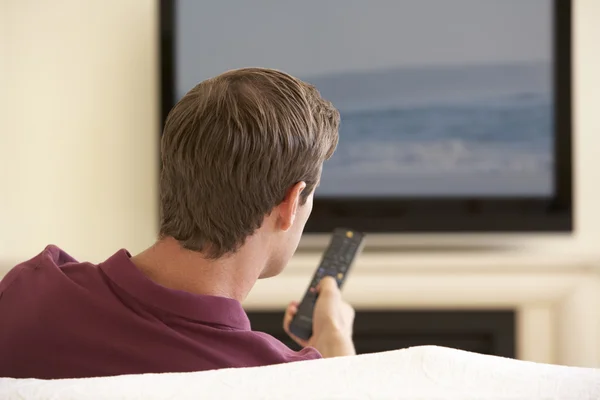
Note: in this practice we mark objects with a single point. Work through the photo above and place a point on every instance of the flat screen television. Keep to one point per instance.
(456, 114)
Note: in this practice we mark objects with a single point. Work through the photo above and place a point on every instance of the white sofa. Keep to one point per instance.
(426, 372)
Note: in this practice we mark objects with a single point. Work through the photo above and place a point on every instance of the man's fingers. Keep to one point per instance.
(302, 343)
(290, 311)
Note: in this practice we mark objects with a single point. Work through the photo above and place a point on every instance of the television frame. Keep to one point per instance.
(436, 214)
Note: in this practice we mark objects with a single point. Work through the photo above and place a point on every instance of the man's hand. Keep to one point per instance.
(332, 322)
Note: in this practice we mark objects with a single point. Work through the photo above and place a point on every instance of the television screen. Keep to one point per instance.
(455, 114)
(437, 97)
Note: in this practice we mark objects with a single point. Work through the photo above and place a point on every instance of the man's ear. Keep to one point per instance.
(289, 206)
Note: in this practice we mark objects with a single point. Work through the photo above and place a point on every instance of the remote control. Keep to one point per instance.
(344, 246)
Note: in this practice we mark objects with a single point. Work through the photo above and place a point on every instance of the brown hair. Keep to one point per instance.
(231, 149)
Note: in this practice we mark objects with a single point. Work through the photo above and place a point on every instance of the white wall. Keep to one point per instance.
(78, 141)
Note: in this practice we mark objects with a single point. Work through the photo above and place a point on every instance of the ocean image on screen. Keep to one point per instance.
(483, 130)
(453, 103)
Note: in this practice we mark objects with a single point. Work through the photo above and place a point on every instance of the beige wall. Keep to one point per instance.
(79, 126)
(78, 146)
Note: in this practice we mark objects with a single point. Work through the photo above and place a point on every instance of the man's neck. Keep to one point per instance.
(169, 265)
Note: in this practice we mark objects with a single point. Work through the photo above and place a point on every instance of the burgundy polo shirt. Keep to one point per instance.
(60, 318)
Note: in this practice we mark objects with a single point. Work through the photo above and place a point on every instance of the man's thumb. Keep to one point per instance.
(328, 284)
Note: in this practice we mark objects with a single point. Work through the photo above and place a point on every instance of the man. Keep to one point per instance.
(241, 156)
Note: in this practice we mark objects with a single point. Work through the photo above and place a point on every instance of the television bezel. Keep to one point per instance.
(437, 214)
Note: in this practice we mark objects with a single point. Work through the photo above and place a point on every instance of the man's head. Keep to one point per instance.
(241, 155)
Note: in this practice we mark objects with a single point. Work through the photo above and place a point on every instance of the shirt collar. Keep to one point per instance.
(203, 308)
